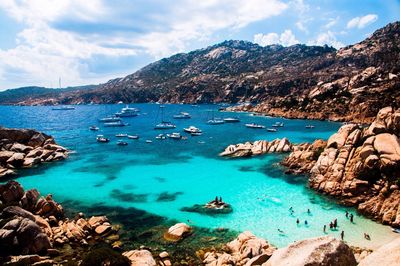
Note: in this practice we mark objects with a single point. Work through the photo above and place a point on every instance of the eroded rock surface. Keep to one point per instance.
(258, 147)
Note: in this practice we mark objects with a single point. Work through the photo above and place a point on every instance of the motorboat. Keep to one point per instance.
(196, 133)
(272, 129)
(93, 128)
(121, 135)
(174, 135)
(214, 120)
(231, 120)
(110, 119)
(115, 124)
(310, 126)
(101, 138)
(127, 112)
(148, 141)
(192, 129)
(164, 124)
(63, 108)
(278, 124)
(182, 115)
(122, 143)
(133, 136)
(161, 136)
(256, 126)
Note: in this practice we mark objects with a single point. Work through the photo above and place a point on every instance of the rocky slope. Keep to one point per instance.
(358, 165)
(24, 148)
(299, 81)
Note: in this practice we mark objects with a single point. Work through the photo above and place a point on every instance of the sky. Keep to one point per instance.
(91, 41)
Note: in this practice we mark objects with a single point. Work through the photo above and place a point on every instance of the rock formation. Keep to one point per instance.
(246, 249)
(258, 147)
(388, 255)
(325, 250)
(24, 148)
(177, 232)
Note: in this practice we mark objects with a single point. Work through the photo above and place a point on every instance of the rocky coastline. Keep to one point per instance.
(258, 147)
(25, 148)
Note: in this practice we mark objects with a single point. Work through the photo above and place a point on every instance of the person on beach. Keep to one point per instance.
(351, 217)
(342, 235)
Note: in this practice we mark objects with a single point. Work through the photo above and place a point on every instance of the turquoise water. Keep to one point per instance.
(187, 172)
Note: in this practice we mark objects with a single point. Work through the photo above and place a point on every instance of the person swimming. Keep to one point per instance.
(297, 221)
(308, 211)
(305, 222)
(280, 231)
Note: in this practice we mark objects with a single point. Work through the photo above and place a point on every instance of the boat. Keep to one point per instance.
(310, 126)
(110, 119)
(196, 133)
(253, 125)
(164, 124)
(115, 124)
(161, 136)
(192, 129)
(127, 112)
(133, 136)
(174, 136)
(148, 141)
(272, 129)
(93, 128)
(101, 138)
(214, 120)
(63, 108)
(122, 143)
(121, 135)
(231, 120)
(278, 124)
(182, 115)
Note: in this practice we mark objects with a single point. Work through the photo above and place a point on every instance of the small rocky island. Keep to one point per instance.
(258, 147)
(214, 207)
(25, 148)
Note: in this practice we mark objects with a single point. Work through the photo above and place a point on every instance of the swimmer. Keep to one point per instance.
(297, 221)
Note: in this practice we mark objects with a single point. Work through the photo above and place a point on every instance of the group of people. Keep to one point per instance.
(350, 215)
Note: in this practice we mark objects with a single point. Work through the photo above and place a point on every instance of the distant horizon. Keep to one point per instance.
(93, 42)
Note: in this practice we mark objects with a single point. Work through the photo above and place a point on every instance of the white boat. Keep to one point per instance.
(174, 136)
(182, 115)
(278, 124)
(310, 126)
(63, 108)
(253, 125)
(196, 133)
(121, 135)
(110, 119)
(161, 136)
(93, 128)
(133, 136)
(127, 112)
(148, 141)
(192, 129)
(272, 129)
(164, 124)
(101, 138)
(122, 143)
(231, 120)
(214, 120)
(115, 124)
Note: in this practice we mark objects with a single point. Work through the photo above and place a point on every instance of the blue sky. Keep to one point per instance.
(92, 41)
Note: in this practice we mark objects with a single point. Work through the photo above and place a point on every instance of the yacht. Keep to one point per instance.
(231, 120)
(214, 120)
(101, 138)
(63, 108)
(164, 124)
(133, 136)
(115, 124)
(253, 125)
(272, 129)
(110, 119)
(182, 115)
(93, 128)
(122, 143)
(121, 135)
(174, 136)
(192, 129)
(310, 126)
(161, 136)
(278, 124)
(127, 112)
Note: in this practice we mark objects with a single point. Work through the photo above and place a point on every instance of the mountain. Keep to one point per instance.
(299, 81)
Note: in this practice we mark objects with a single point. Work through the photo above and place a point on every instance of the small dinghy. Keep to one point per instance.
(256, 126)
(93, 128)
(133, 136)
(310, 126)
(122, 143)
(148, 141)
(174, 136)
(161, 136)
(121, 135)
(272, 129)
(102, 139)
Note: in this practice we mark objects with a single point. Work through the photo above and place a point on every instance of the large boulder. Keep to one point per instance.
(140, 257)
(326, 251)
(388, 255)
(177, 232)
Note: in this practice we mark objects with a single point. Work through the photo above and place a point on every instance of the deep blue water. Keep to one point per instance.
(187, 172)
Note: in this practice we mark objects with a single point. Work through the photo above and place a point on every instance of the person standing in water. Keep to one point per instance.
(347, 214)
(342, 235)
(324, 228)
(351, 217)
(297, 221)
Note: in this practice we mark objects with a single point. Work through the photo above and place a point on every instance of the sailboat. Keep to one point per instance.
(214, 120)
(64, 107)
(164, 124)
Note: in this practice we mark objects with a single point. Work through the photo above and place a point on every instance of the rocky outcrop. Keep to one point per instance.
(177, 232)
(246, 249)
(141, 257)
(303, 157)
(258, 147)
(326, 251)
(388, 255)
(361, 166)
(24, 148)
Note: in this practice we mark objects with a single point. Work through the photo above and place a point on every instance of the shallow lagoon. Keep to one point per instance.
(166, 175)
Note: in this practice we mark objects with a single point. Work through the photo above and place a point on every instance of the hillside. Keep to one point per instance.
(299, 81)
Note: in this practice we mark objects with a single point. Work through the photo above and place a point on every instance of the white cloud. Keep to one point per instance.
(331, 22)
(286, 38)
(302, 11)
(327, 38)
(361, 22)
